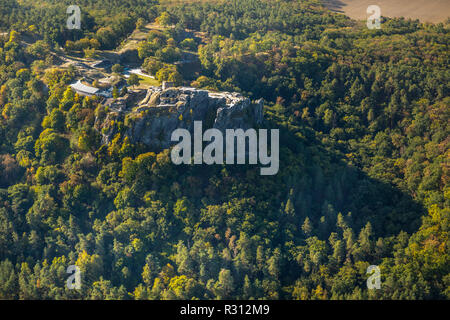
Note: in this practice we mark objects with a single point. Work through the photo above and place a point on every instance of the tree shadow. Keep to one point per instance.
(329, 185)
(334, 5)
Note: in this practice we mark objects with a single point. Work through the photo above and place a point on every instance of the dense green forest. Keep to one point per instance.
(364, 158)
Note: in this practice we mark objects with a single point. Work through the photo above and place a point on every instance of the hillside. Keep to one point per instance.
(88, 180)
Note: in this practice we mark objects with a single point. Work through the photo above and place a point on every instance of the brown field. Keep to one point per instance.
(424, 10)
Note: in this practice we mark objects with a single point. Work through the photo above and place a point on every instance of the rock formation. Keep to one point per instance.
(152, 121)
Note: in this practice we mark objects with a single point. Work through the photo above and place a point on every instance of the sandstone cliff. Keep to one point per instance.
(152, 120)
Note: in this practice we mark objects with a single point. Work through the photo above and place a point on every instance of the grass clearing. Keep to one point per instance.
(146, 81)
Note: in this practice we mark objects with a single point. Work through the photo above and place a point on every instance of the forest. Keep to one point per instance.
(364, 157)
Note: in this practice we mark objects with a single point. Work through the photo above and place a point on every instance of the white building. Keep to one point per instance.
(83, 89)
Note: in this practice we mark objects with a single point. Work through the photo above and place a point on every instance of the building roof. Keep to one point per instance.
(83, 89)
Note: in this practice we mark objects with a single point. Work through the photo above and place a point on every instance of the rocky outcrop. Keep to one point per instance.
(161, 112)
(125, 103)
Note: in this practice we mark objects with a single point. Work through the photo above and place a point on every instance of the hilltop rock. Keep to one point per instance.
(161, 112)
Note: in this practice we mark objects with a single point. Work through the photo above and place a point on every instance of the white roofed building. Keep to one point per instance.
(83, 89)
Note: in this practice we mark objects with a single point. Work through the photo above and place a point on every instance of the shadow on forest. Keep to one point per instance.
(349, 189)
(323, 185)
(334, 5)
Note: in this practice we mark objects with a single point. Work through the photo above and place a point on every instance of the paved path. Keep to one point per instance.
(138, 72)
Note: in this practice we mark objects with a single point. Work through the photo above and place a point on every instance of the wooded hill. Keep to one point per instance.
(364, 159)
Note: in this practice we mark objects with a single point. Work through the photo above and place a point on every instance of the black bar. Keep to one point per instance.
(226, 309)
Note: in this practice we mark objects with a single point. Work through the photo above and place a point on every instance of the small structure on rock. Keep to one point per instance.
(167, 85)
